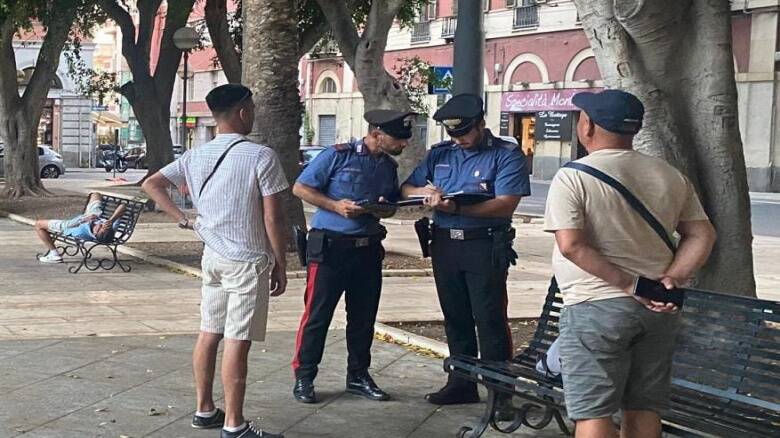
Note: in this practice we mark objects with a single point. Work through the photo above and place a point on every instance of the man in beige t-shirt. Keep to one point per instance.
(615, 347)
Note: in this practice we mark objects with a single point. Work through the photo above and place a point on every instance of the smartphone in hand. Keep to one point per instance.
(656, 291)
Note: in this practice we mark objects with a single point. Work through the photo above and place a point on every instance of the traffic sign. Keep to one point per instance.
(443, 74)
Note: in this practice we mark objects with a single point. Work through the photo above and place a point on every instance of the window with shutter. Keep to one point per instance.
(510, 3)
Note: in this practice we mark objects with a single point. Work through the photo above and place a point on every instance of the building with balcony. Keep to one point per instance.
(536, 58)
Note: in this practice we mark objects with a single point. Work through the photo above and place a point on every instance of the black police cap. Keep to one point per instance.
(396, 124)
(460, 114)
(225, 97)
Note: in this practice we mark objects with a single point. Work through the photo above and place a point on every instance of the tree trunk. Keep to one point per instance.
(19, 130)
(270, 69)
(676, 56)
(154, 118)
(219, 30)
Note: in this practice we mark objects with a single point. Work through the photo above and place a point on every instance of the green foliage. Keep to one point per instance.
(308, 130)
(416, 76)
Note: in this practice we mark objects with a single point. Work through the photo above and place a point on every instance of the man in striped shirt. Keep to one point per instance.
(235, 186)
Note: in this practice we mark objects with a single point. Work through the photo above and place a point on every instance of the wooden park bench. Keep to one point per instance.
(725, 373)
(85, 249)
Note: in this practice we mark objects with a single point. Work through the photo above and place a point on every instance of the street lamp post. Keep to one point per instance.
(185, 39)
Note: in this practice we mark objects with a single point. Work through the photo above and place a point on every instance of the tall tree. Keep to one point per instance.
(20, 114)
(150, 92)
(676, 55)
(270, 69)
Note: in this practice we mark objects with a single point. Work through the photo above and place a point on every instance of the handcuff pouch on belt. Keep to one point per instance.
(503, 253)
(316, 246)
(423, 229)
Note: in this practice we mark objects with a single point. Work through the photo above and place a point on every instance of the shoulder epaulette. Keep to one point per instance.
(508, 145)
(342, 147)
(443, 143)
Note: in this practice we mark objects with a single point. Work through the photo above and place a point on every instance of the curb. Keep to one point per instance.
(398, 336)
(176, 266)
(388, 333)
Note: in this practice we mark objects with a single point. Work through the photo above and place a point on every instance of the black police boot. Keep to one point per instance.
(455, 392)
(303, 391)
(362, 384)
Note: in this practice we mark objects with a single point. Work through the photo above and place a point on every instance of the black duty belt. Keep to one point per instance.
(348, 242)
(467, 234)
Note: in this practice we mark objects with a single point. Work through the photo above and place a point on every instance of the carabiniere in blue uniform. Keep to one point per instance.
(471, 254)
(344, 252)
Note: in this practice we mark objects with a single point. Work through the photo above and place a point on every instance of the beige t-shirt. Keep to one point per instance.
(577, 200)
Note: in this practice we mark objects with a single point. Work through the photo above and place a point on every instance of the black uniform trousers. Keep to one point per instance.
(357, 272)
(472, 292)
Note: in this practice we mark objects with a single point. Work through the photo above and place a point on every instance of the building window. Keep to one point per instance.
(214, 78)
(526, 14)
(421, 31)
(328, 85)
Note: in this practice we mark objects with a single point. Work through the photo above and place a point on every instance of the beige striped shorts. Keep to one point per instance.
(234, 297)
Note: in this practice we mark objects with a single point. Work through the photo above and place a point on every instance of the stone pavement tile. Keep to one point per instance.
(14, 378)
(12, 348)
(129, 414)
(39, 403)
(84, 328)
(179, 325)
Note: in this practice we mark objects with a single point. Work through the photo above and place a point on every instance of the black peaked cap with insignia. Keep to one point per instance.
(396, 124)
(460, 114)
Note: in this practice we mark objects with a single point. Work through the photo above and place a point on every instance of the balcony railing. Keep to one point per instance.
(526, 17)
(448, 27)
(421, 32)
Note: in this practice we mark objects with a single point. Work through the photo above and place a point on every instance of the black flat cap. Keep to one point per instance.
(225, 97)
(460, 114)
(396, 124)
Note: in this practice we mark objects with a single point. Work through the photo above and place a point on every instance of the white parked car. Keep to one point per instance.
(50, 163)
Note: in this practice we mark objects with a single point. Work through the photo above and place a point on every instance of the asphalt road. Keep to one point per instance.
(765, 207)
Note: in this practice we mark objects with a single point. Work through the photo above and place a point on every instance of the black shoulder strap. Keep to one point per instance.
(219, 162)
(632, 200)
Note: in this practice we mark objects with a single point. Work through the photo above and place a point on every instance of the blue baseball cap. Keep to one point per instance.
(614, 110)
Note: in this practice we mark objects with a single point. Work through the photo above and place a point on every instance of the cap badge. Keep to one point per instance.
(483, 186)
(452, 123)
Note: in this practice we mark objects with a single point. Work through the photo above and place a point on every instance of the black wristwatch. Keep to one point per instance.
(184, 224)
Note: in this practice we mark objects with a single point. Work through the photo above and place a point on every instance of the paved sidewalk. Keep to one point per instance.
(142, 387)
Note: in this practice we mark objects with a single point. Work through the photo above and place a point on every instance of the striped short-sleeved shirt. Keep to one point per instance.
(230, 210)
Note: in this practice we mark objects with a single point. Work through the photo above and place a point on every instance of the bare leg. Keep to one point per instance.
(94, 196)
(204, 361)
(42, 230)
(640, 424)
(234, 366)
(596, 428)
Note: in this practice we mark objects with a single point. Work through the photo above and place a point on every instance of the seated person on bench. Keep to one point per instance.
(86, 226)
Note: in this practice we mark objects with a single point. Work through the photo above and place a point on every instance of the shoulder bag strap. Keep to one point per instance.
(216, 166)
(632, 200)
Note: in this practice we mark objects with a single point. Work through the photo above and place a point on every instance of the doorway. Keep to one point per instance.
(524, 130)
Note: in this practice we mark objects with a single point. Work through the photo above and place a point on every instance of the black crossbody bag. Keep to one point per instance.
(216, 166)
(645, 287)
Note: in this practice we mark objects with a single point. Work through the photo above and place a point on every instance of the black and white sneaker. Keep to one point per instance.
(250, 431)
(212, 422)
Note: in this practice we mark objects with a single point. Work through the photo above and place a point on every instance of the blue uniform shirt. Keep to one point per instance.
(349, 171)
(84, 231)
(497, 167)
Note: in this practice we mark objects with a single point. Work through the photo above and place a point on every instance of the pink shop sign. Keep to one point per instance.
(541, 100)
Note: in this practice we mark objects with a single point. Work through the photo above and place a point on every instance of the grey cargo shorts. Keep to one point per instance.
(616, 354)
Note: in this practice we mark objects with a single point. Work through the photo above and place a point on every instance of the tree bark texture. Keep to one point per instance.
(149, 92)
(270, 69)
(20, 115)
(676, 56)
(365, 52)
(219, 30)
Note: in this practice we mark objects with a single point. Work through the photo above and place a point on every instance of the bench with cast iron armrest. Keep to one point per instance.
(725, 372)
(90, 259)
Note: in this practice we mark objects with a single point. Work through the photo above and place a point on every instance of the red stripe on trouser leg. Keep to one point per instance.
(308, 297)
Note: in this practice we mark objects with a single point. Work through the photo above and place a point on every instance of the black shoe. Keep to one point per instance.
(362, 384)
(250, 431)
(454, 393)
(212, 422)
(303, 391)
